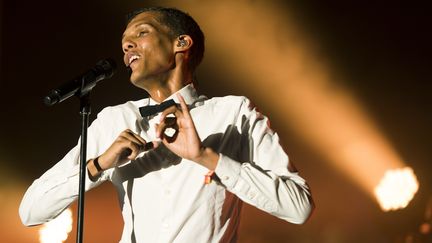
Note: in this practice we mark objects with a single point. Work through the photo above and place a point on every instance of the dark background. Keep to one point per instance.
(381, 49)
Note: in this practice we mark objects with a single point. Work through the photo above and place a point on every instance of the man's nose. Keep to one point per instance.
(127, 45)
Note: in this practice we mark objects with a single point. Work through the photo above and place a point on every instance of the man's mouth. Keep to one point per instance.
(132, 58)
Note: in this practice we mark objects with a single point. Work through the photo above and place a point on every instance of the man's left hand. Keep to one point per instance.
(185, 142)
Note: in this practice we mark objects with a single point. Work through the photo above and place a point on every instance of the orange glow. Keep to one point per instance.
(11, 228)
(263, 50)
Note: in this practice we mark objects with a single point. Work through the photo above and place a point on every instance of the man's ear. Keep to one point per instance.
(183, 43)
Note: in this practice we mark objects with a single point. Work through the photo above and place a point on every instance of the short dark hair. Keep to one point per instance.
(179, 23)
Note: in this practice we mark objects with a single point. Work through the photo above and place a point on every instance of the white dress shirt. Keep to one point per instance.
(163, 198)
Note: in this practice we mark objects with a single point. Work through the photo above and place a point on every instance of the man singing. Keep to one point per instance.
(182, 164)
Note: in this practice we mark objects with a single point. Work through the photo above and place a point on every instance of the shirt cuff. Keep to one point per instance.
(89, 184)
(228, 171)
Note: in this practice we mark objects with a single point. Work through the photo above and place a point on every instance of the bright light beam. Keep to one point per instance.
(263, 50)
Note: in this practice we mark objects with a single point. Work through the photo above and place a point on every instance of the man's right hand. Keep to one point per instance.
(127, 146)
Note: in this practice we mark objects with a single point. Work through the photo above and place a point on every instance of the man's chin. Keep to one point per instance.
(134, 77)
(137, 81)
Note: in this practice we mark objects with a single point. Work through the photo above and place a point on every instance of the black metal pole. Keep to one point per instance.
(85, 111)
(81, 87)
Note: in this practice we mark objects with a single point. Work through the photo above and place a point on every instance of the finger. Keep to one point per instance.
(167, 119)
(131, 144)
(168, 122)
(162, 139)
(170, 110)
(141, 144)
(137, 136)
(124, 149)
(169, 135)
(159, 129)
(183, 106)
(134, 150)
(130, 136)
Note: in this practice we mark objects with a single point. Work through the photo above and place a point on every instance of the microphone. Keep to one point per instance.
(82, 84)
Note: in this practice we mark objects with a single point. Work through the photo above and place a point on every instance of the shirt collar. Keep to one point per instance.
(188, 92)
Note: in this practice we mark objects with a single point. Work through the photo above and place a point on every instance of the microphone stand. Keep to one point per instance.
(81, 87)
(85, 110)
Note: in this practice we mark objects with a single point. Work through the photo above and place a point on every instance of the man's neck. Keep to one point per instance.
(165, 85)
(176, 80)
(160, 93)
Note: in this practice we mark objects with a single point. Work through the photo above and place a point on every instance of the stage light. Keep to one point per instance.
(57, 230)
(396, 189)
(268, 54)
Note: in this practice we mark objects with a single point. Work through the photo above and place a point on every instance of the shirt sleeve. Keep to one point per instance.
(267, 181)
(58, 187)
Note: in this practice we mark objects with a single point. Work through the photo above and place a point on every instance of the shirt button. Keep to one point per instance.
(226, 178)
(251, 195)
(167, 192)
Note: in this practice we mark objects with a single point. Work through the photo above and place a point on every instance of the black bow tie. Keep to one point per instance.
(150, 110)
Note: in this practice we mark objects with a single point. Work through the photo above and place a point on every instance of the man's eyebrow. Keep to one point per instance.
(139, 25)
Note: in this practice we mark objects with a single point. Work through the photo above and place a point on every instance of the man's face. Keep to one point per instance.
(148, 49)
